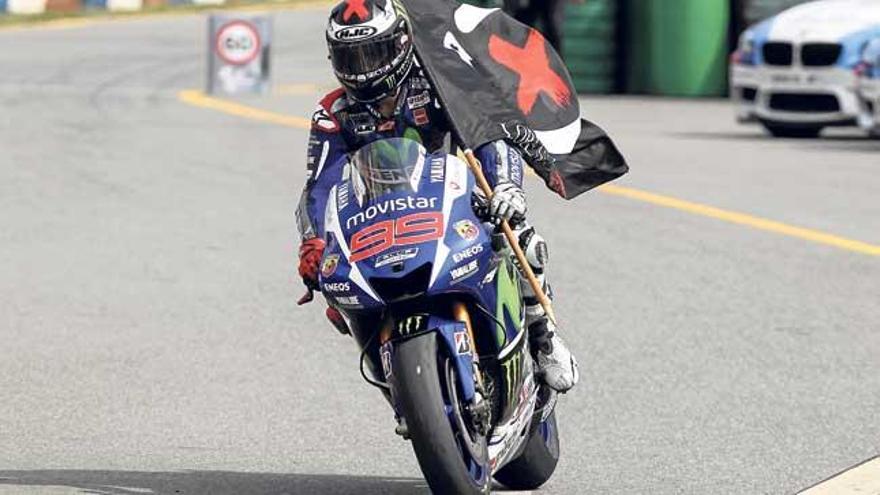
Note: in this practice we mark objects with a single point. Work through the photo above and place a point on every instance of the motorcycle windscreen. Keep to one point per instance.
(385, 167)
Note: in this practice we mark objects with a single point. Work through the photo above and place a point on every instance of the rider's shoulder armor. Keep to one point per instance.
(325, 117)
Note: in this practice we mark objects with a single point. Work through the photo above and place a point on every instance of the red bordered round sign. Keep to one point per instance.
(237, 43)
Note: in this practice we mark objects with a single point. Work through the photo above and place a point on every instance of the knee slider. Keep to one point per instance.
(535, 248)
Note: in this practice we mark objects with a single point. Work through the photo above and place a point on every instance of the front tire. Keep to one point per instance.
(537, 462)
(421, 381)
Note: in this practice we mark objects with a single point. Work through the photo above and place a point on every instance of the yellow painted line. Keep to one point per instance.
(274, 6)
(51, 25)
(743, 219)
(863, 479)
(120, 16)
(199, 99)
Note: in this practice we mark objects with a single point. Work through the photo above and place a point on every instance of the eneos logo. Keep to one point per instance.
(238, 43)
(467, 253)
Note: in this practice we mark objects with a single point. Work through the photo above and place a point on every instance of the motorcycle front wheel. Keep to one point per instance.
(453, 457)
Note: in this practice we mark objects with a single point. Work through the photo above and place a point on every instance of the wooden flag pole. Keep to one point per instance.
(477, 170)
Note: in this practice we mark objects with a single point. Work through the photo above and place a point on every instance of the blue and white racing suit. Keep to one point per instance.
(341, 126)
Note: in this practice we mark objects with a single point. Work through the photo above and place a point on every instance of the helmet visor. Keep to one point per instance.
(365, 60)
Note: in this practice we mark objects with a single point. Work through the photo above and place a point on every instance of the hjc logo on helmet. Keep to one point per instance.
(355, 33)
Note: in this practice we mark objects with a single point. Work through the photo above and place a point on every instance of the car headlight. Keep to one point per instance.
(746, 44)
(745, 49)
(871, 53)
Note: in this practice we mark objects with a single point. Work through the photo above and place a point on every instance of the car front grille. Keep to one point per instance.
(804, 102)
(777, 53)
(820, 54)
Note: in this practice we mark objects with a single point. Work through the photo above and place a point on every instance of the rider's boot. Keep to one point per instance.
(337, 320)
(557, 366)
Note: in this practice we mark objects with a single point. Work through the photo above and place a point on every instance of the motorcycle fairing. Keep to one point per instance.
(441, 263)
(460, 262)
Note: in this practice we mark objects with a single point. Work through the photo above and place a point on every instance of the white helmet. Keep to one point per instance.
(371, 48)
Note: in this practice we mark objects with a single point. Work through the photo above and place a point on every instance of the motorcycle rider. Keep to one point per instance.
(385, 94)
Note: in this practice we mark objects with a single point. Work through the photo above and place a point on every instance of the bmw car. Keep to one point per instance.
(795, 73)
(869, 87)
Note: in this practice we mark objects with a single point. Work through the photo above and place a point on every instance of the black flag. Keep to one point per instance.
(493, 73)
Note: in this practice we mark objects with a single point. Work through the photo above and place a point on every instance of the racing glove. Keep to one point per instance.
(508, 203)
(310, 253)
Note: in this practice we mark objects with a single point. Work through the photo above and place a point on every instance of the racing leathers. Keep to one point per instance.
(341, 126)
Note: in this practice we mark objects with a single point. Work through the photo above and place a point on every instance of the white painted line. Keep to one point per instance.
(863, 479)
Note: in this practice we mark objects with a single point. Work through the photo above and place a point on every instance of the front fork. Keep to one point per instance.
(458, 337)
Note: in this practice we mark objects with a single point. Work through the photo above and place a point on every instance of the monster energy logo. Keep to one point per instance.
(509, 301)
(512, 370)
(400, 9)
(412, 324)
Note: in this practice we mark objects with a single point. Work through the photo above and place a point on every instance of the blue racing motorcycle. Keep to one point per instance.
(433, 300)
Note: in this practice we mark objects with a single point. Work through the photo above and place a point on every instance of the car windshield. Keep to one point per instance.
(387, 166)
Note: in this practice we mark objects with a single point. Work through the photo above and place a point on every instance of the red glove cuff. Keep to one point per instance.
(310, 254)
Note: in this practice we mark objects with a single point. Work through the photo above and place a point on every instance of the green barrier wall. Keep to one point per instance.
(590, 45)
(677, 47)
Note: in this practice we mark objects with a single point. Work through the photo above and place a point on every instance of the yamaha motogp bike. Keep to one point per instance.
(433, 300)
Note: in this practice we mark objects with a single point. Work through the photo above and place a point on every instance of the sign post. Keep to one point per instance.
(239, 54)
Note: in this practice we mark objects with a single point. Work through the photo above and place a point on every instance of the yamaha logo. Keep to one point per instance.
(355, 33)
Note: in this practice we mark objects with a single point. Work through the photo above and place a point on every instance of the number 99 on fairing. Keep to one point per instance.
(382, 236)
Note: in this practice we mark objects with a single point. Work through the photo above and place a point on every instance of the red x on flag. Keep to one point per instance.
(491, 72)
(532, 65)
(355, 7)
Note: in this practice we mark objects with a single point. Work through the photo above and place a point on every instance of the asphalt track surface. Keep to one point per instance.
(149, 340)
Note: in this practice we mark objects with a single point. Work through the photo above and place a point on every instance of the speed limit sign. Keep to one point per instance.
(239, 53)
(238, 42)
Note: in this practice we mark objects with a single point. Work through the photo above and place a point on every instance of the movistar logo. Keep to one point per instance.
(391, 205)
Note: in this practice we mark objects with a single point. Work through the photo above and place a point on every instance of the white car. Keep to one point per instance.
(869, 87)
(795, 73)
